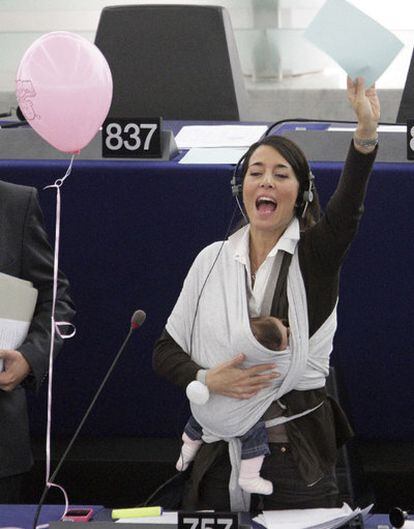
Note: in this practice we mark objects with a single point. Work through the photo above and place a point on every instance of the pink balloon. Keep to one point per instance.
(64, 89)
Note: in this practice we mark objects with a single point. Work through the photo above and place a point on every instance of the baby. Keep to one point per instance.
(273, 334)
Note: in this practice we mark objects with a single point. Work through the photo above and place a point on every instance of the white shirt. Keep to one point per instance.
(256, 294)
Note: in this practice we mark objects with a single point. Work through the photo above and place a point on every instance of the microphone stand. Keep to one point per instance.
(75, 435)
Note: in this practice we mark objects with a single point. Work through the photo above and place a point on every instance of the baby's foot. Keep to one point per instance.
(256, 485)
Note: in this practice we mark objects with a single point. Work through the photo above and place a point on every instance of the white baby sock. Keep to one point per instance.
(188, 452)
(249, 477)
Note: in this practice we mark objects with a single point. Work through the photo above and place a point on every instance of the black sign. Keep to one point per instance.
(131, 138)
(208, 520)
(410, 139)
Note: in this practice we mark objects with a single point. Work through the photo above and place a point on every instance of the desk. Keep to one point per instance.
(22, 516)
(130, 231)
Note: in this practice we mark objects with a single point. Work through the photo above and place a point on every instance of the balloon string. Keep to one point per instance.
(59, 182)
(55, 327)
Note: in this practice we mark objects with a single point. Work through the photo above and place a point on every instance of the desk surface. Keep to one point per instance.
(21, 516)
(328, 141)
(318, 142)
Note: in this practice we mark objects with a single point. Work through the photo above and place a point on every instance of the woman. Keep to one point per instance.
(285, 262)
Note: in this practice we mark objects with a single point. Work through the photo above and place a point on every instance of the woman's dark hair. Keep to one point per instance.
(297, 160)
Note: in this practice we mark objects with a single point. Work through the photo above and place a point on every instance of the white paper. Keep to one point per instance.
(219, 135)
(17, 298)
(12, 333)
(310, 518)
(213, 156)
(303, 518)
(17, 304)
(15, 280)
(355, 41)
(165, 518)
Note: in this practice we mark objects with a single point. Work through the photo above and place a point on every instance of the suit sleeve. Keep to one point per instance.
(37, 267)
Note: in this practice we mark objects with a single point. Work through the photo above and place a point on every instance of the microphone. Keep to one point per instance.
(397, 517)
(137, 320)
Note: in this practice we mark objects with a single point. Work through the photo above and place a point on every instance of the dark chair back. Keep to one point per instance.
(179, 62)
(406, 108)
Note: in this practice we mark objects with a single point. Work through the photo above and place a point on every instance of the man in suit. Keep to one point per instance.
(25, 253)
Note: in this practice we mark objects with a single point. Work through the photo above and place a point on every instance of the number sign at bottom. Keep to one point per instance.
(131, 138)
(208, 520)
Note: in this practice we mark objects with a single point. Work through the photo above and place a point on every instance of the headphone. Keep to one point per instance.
(397, 517)
(308, 194)
(236, 181)
(236, 184)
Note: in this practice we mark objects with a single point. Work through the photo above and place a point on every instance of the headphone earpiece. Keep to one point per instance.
(236, 181)
(308, 195)
(236, 188)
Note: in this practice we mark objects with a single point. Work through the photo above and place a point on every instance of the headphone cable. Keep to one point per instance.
(228, 229)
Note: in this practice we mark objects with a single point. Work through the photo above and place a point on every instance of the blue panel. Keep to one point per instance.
(130, 232)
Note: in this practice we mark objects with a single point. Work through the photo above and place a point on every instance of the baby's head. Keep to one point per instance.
(271, 332)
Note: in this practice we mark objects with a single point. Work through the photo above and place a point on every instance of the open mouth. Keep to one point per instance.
(266, 205)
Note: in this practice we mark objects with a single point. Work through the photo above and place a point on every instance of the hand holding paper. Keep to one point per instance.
(17, 304)
(356, 42)
(365, 104)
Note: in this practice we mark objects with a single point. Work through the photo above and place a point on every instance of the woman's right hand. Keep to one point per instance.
(232, 380)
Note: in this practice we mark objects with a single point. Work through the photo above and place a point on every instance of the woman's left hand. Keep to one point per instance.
(366, 106)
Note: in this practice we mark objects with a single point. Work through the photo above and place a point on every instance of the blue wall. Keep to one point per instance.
(129, 234)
